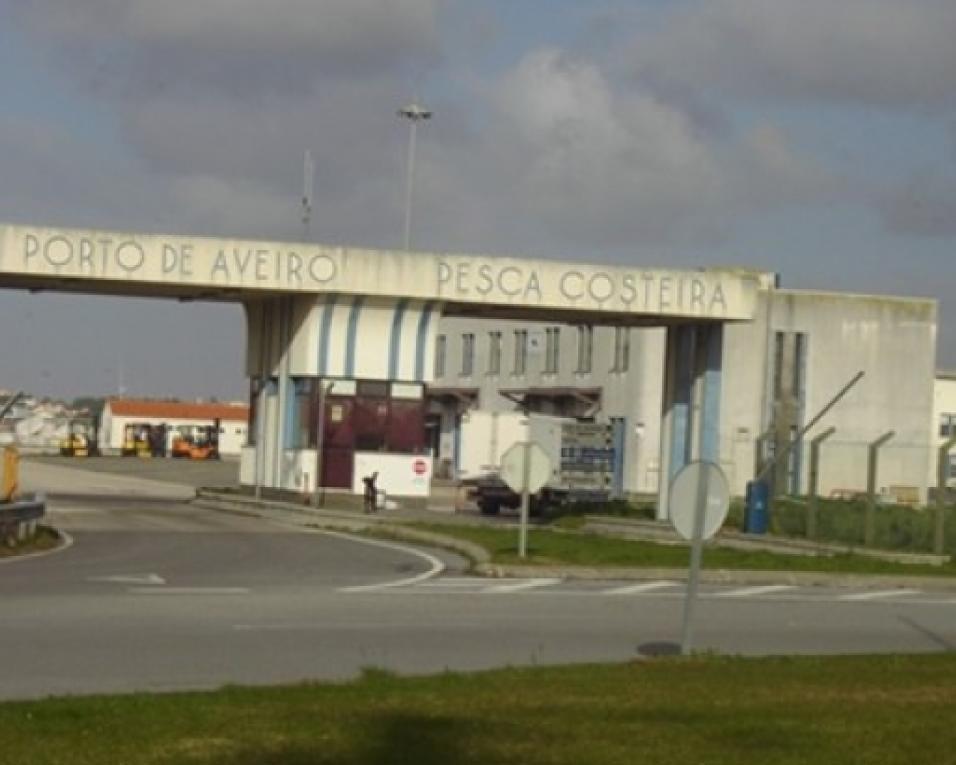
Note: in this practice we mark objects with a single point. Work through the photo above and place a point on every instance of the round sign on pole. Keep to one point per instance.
(696, 483)
(513, 468)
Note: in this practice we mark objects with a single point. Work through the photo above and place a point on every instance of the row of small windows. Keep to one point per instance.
(525, 344)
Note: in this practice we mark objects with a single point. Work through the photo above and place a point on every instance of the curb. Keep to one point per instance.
(386, 528)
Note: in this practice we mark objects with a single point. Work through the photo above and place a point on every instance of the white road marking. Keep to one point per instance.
(746, 592)
(631, 589)
(437, 565)
(129, 579)
(523, 584)
(878, 594)
(443, 584)
(187, 590)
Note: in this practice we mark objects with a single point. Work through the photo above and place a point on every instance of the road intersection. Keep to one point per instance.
(156, 593)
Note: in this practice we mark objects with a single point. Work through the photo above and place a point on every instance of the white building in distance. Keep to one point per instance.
(174, 415)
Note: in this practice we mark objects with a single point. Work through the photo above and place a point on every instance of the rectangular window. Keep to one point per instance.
(778, 354)
(622, 349)
(946, 425)
(585, 348)
(521, 352)
(467, 354)
(552, 344)
(441, 345)
(372, 388)
(303, 431)
(494, 353)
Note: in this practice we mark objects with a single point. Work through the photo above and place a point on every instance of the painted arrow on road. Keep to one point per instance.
(129, 579)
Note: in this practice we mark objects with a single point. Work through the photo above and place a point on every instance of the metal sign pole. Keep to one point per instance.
(525, 500)
(696, 557)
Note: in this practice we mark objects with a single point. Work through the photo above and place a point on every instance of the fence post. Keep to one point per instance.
(871, 468)
(814, 478)
(942, 473)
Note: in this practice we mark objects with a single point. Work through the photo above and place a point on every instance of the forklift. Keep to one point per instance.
(199, 442)
(80, 440)
(137, 440)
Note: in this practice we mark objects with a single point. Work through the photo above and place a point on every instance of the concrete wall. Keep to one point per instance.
(893, 341)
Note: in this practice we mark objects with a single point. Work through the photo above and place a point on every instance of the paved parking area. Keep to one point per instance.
(196, 473)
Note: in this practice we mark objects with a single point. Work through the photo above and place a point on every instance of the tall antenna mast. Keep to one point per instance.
(308, 176)
(120, 386)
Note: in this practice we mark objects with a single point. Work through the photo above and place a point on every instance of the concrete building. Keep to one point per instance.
(176, 416)
(944, 415)
(778, 371)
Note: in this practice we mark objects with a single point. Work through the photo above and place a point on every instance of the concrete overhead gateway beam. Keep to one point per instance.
(328, 327)
(242, 270)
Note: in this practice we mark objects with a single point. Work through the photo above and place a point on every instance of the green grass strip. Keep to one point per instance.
(45, 538)
(891, 709)
(548, 547)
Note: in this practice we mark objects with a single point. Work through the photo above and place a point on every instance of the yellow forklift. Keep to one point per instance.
(137, 440)
(80, 440)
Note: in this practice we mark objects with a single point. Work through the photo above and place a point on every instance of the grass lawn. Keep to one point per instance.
(550, 547)
(893, 709)
(45, 539)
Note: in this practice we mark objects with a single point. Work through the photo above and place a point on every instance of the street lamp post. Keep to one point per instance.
(414, 113)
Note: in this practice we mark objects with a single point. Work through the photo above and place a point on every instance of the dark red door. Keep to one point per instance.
(338, 442)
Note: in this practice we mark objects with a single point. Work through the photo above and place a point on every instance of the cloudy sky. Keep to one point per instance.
(812, 138)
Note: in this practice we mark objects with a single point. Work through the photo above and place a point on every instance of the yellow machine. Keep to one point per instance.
(80, 440)
(136, 440)
(75, 445)
(11, 474)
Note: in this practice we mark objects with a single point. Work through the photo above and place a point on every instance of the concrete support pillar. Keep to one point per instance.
(690, 420)
(298, 342)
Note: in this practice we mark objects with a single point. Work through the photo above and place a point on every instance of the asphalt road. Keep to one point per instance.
(156, 594)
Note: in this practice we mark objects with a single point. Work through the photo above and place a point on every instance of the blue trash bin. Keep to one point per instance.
(756, 510)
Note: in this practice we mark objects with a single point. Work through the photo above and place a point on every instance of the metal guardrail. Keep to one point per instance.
(22, 510)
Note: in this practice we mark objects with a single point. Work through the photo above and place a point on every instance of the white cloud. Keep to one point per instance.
(594, 162)
(278, 26)
(886, 53)
(135, 49)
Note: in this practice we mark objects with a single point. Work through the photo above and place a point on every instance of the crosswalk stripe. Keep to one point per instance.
(642, 587)
(187, 590)
(526, 584)
(440, 584)
(879, 594)
(746, 592)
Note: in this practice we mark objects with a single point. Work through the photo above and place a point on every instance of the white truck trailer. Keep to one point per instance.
(581, 454)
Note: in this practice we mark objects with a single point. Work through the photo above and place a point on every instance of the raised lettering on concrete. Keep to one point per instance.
(249, 266)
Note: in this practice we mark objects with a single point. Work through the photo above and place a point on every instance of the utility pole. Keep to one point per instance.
(308, 177)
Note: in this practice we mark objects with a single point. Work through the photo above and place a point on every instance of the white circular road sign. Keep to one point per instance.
(513, 467)
(695, 484)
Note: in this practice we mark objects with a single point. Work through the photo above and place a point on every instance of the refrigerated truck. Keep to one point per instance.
(581, 455)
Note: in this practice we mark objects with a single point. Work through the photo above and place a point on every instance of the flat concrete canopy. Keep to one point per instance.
(202, 268)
